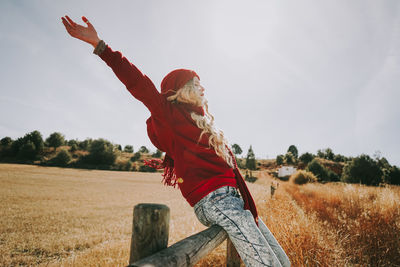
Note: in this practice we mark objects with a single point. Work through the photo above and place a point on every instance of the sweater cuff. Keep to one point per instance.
(99, 48)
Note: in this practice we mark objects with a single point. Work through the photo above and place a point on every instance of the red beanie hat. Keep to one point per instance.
(175, 80)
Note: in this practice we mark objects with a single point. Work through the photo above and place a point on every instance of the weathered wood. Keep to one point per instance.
(232, 256)
(150, 230)
(187, 251)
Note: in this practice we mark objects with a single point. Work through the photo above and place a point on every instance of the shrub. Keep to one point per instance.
(279, 160)
(362, 169)
(157, 154)
(74, 148)
(143, 149)
(145, 168)
(250, 159)
(5, 147)
(289, 158)
(62, 158)
(302, 177)
(318, 170)
(27, 147)
(55, 140)
(101, 152)
(85, 145)
(306, 158)
(135, 157)
(236, 149)
(27, 151)
(391, 175)
(293, 149)
(6, 141)
(128, 149)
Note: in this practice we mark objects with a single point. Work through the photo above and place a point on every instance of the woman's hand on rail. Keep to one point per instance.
(87, 34)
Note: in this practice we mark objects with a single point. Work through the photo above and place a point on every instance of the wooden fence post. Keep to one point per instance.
(232, 257)
(150, 230)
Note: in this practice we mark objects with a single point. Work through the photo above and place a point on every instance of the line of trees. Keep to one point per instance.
(90, 153)
(330, 167)
(100, 153)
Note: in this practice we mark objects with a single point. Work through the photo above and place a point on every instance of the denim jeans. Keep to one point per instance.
(224, 207)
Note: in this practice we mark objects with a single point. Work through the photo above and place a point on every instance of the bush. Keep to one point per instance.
(27, 151)
(128, 149)
(145, 168)
(279, 160)
(391, 175)
(293, 149)
(143, 149)
(306, 158)
(135, 157)
(290, 158)
(250, 159)
(318, 170)
(362, 169)
(303, 177)
(74, 148)
(27, 147)
(62, 158)
(157, 154)
(101, 152)
(55, 140)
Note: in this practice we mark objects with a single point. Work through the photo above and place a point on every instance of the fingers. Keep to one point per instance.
(70, 29)
(73, 24)
(87, 22)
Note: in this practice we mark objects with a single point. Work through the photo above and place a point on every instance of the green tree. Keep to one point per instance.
(136, 156)
(128, 149)
(72, 142)
(27, 147)
(62, 158)
(289, 158)
(391, 175)
(55, 140)
(36, 138)
(236, 149)
(85, 145)
(74, 148)
(101, 152)
(362, 169)
(306, 157)
(143, 149)
(251, 159)
(157, 154)
(280, 159)
(6, 141)
(293, 149)
(27, 150)
(5, 146)
(318, 170)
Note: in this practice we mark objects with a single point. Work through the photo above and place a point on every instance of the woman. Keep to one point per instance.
(197, 158)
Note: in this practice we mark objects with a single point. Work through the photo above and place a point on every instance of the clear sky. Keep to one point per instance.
(314, 74)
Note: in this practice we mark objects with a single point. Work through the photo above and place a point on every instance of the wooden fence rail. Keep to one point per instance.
(150, 239)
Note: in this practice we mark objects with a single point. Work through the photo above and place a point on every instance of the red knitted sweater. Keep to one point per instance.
(171, 129)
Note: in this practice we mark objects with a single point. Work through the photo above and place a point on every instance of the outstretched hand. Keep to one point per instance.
(87, 34)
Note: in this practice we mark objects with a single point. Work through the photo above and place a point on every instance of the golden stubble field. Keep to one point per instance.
(70, 217)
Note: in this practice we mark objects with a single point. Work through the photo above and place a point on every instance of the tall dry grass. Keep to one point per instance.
(69, 217)
(365, 220)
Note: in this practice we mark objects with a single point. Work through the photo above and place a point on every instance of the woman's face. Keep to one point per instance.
(198, 86)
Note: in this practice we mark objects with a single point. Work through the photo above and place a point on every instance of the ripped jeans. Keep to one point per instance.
(224, 207)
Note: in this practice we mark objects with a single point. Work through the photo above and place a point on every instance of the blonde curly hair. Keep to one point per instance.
(191, 93)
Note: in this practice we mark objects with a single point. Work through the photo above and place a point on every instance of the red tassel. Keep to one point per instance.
(169, 175)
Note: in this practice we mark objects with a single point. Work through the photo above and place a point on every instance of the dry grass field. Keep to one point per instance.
(69, 217)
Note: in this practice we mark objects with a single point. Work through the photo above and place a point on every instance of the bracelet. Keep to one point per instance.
(99, 48)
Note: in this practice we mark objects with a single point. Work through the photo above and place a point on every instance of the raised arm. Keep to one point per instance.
(139, 85)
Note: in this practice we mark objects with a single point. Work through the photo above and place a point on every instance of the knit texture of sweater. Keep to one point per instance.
(171, 129)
